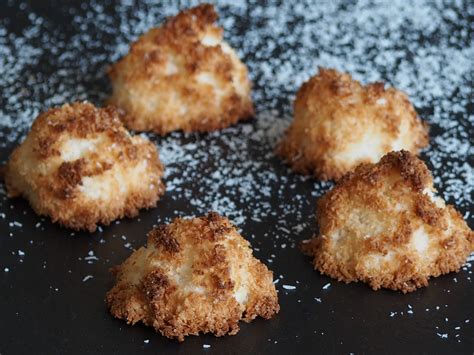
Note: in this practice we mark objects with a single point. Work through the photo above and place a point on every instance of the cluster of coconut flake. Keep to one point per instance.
(382, 224)
(194, 276)
(81, 167)
(340, 124)
(182, 76)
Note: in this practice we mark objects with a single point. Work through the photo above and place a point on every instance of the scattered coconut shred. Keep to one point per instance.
(423, 48)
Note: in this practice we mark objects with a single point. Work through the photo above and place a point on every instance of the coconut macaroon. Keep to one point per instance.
(339, 123)
(383, 225)
(79, 166)
(182, 76)
(194, 276)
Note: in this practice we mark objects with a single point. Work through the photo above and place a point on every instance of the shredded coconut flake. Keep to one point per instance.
(88, 277)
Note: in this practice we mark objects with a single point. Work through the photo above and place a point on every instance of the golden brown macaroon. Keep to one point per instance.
(382, 225)
(339, 123)
(182, 76)
(194, 276)
(81, 167)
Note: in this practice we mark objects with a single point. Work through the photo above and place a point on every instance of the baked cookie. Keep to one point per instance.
(79, 166)
(383, 225)
(194, 276)
(340, 123)
(182, 76)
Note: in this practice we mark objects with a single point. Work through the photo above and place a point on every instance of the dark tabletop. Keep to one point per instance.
(53, 281)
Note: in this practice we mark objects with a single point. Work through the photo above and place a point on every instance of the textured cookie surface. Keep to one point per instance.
(339, 123)
(194, 276)
(382, 225)
(182, 76)
(79, 166)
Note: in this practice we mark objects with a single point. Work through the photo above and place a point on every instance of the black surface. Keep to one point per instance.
(45, 307)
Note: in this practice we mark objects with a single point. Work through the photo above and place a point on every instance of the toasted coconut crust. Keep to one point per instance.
(195, 276)
(182, 76)
(340, 124)
(79, 166)
(382, 225)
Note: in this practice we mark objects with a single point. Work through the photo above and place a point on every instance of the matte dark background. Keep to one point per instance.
(45, 307)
